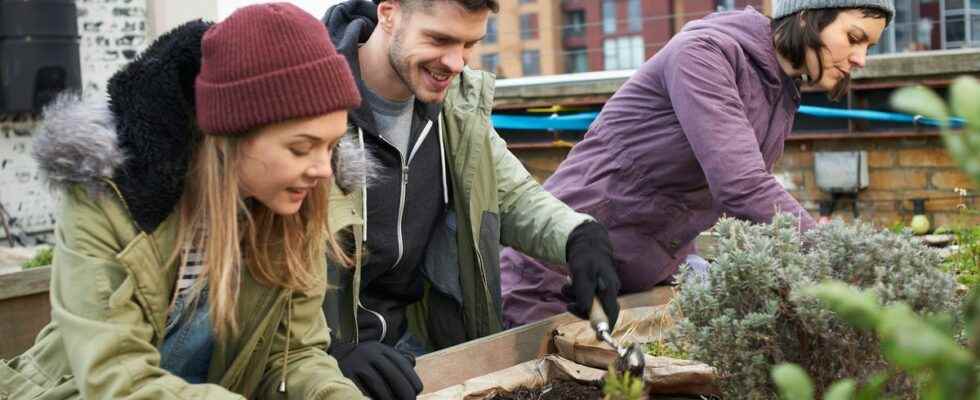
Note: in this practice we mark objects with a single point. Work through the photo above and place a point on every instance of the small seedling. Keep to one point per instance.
(622, 386)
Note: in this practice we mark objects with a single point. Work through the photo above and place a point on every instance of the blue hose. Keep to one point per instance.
(566, 122)
(581, 121)
(871, 115)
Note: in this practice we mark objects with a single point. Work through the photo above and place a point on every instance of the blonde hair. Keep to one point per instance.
(278, 251)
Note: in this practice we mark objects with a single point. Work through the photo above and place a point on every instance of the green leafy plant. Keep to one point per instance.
(922, 347)
(897, 227)
(663, 348)
(622, 386)
(964, 101)
(747, 313)
(41, 258)
(964, 146)
(965, 262)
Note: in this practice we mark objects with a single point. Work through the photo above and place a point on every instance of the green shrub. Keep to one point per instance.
(965, 262)
(41, 258)
(747, 314)
(924, 348)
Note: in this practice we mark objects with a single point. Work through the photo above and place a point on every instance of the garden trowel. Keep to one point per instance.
(629, 359)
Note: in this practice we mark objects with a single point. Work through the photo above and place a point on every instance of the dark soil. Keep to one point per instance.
(556, 390)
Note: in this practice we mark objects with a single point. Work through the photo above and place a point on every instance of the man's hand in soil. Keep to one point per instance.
(380, 371)
(590, 261)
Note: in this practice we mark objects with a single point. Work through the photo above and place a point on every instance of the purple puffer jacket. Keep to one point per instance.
(691, 136)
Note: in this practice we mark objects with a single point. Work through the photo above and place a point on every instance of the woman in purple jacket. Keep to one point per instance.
(693, 135)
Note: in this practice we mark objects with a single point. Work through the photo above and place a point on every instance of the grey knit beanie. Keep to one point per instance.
(787, 7)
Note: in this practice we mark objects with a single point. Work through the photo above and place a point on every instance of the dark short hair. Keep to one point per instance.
(471, 5)
(794, 34)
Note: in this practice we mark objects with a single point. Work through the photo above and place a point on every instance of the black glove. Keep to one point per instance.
(590, 261)
(380, 371)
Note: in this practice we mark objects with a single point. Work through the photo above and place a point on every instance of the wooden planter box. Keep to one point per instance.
(24, 308)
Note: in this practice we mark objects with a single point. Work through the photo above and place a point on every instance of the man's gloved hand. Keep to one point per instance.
(380, 371)
(590, 261)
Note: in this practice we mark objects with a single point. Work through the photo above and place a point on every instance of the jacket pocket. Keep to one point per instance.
(441, 264)
(20, 378)
(665, 220)
(443, 318)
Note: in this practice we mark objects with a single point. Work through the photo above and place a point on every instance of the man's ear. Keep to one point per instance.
(388, 10)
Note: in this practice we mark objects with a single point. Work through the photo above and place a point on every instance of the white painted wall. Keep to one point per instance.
(112, 33)
(22, 193)
(315, 7)
(165, 15)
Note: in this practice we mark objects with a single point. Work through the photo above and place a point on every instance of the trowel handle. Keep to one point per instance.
(598, 318)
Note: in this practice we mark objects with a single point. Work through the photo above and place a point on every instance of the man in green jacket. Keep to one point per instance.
(426, 232)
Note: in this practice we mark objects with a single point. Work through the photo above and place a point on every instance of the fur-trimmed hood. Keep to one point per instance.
(143, 136)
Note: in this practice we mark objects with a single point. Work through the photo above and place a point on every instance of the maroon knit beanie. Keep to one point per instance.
(269, 63)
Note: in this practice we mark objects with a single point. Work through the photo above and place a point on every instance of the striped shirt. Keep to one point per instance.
(190, 269)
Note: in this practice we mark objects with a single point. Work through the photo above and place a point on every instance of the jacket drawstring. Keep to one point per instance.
(442, 160)
(285, 356)
(364, 185)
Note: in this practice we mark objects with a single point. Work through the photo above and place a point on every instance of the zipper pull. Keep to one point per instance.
(405, 175)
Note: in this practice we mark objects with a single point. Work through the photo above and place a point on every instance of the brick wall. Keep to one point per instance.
(899, 170)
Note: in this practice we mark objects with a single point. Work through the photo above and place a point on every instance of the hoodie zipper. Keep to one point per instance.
(401, 211)
(404, 190)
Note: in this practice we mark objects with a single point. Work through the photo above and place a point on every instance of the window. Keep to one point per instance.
(886, 44)
(623, 52)
(635, 16)
(975, 28)
(529, 26)
(575, 23)
(903, 26)
(489, 62)
(921, 25)
(608, 16)
(531, 62)
(955, 30)
(491, 30)
(576, 60)
(961, 19)
(725, 5)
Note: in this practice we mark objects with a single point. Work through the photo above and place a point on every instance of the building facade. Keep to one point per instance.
(544, 37)
(522, 40)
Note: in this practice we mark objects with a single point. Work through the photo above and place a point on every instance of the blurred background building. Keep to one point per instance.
(546, 37)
